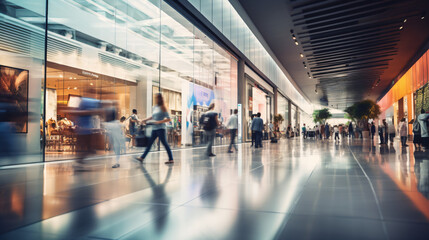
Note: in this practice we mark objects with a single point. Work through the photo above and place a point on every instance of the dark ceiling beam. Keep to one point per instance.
(348, 66)
(365, 33)
(368, 37)
(358, 47)
(373, 67)
(347, 60)
(349, 52)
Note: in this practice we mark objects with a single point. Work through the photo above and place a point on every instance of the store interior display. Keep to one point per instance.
(65, 87)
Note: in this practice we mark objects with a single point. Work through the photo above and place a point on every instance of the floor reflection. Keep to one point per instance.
(293, 189)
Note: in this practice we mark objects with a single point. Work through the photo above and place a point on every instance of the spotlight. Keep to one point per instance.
(293, 37)
(302, 55)
(305, 66)
(405, 20)
(296, 43)
(423, 16)
(401, 27)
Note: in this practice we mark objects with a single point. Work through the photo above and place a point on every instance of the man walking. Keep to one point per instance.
(257, 127)
(233, 126)
(304, 132)
(372, 131)
(423, 118)
(210, 122)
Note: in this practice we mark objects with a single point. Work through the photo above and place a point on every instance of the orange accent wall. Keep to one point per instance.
(412, 80)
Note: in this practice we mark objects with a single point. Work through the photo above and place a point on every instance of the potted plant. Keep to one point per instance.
(361, 112)
(278, 119)
(320, 116)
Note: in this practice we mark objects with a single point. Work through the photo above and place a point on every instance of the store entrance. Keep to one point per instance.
(258, 101)
(63, 86)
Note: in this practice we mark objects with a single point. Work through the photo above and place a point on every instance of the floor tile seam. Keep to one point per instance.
(21, 228)
(110, 157)
(235, 210)
(374, 194)
(337, 216)
(111, 180)
(137, 228)
(293, 206)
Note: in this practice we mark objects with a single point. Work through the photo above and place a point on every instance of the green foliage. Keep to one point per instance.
(363, 110)
(278, 119)
(320, 116)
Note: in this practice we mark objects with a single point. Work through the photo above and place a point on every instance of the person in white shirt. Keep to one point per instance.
(233, 126)
(337, 133)
(403, 132)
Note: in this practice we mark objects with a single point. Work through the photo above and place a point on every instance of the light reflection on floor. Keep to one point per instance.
(294, 189)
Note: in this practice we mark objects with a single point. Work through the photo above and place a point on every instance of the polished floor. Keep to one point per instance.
(295, 189)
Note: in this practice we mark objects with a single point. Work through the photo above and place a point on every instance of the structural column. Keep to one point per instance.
(241, 93)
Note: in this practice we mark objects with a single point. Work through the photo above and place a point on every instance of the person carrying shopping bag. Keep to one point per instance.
(159, 117)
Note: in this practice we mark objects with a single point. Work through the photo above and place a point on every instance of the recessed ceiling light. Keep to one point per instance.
(71, 78)
(305, 66)
(422, 17)
(61, 75)
(405, 20)
(91, 84)
(75, 88)
(296, 43)
(302, 55)
(401, 27)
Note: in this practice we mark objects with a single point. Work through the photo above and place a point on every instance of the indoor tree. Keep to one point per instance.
(362, 111)
(320, 116)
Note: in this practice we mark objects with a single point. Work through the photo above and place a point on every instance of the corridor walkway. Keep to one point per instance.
(295, 189)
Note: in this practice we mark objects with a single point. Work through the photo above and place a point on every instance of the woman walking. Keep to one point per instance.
(159, 117)
(403, 131)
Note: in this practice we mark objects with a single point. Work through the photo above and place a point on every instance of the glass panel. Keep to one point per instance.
(106, 51)
(22, 53)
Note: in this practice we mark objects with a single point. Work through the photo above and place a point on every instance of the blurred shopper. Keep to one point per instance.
(422, 119)
(233, 127)
(133, 127)
(210, 122)
(337, 133)
(403, 132)
(417, 137)
(257, 127)
(381, 132)
(9, 116)
(316, 131)
(125, 133)
(372, 131)
(322, 131)
(392, 132)
(304, 132)
(327, 131)
(88, 111)
(157, 121)
(271, 129)
(351, 131)
(386, 131)
(114, 131)
(288, 131)
(252, 132)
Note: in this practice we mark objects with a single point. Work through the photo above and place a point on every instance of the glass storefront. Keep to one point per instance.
(124, 51)
(259, 100)
(283, 109)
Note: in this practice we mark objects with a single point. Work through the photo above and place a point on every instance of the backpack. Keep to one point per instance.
(416, 128)
(208, 121)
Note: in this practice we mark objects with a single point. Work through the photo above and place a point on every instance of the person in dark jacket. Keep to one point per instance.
(257, 127)
(372, 131)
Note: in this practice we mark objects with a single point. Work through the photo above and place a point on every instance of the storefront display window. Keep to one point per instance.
(120, 51)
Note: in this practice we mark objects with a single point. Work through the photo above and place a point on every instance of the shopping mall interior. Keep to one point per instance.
(214, 119)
